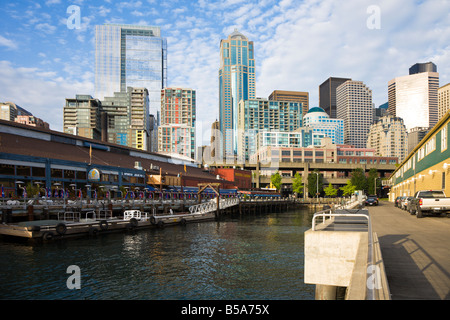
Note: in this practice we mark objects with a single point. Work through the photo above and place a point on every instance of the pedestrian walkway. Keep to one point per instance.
(416, 252)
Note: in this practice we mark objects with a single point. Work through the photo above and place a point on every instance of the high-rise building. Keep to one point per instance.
(327, 95)
(258, 115)
(443, 100)
(126, 118)
(354, 106)
(414, 97)
(130, 56)
(9, 111)
(82, 117)
(381, 111)
(321, 123)
(388, 137)
(176, 134)
(423, 67)
(415, 135)
(294, 96)
(236, 83)
(216, 141)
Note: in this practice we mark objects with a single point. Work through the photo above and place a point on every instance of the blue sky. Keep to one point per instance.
(298, 44)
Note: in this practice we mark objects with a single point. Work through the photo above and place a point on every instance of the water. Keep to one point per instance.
(257, 257)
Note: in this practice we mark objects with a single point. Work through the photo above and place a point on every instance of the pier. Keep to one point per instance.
(47, 220)
(377, 253)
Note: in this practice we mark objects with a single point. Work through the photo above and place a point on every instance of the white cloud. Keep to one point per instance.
(46, 28)
(8, 43)
(45, 92)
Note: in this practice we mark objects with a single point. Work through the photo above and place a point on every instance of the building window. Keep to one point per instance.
(444, 139)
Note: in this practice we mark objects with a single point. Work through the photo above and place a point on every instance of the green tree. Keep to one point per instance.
(276, 180)
(297, 183)
(330, 191)
(312, 183)
(348, 189)
(373, 174)
(359, 179)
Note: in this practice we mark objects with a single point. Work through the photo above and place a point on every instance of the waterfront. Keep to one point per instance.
(254, 257)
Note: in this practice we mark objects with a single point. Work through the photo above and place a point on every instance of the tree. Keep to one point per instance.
(359, 179)
(348, 189)
(312, 183)
(373, 174)
(276, 180)
(297, 183)
(330, 191)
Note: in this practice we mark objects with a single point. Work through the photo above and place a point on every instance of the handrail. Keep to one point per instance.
(370, 290)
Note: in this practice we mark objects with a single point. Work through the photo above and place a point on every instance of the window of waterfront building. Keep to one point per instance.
(23, 171)
(69, 174)
(7, 169)
(56, 173)
(81, 175)
(444, 138)
(37, 172)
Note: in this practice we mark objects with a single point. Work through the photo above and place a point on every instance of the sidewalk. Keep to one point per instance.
(416, 252)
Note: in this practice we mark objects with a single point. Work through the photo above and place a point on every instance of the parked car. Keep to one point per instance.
(429, 201)
(406, 203)
(397, 202)
(372, 200)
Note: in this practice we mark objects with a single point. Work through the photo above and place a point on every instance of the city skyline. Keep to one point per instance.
(299, 45)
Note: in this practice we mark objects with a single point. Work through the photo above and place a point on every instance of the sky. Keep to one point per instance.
(298, 45)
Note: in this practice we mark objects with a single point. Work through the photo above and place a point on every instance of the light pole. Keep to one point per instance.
(317, 183)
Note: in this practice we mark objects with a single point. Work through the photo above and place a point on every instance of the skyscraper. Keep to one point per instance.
(414, 97)
(236, 83)
(327, 94)
(127, 122)
(321, 123)
(388, 137)
(354, 106)
(258, 115)
(176, 134)
(443, 100)
(423, 67)
(294, 96)
(130, 56)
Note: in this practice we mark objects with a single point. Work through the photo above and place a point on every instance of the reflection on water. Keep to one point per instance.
(257, 257)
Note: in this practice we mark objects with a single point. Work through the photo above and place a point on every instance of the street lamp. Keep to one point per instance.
(317, 183)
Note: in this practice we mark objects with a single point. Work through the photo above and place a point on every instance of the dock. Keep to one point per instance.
(378, 253)
(54, 221)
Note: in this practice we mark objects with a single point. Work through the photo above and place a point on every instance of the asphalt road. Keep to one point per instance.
(416, 252)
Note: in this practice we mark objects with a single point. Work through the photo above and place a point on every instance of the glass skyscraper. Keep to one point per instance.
(236, 83)
(130, 56)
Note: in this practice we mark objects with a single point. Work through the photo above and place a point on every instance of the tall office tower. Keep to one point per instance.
(379, 112)
(236, 83)
(258, 115)
(130, 56)
(321, 123)
(176, 134)
(127, 121)
(294, 96)
(216, 141)
(415, 135)
(423, 67)
(327, 95)
(354, 106)
(388, 137)
(82, 117)
(414, 97)
(443, 100)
